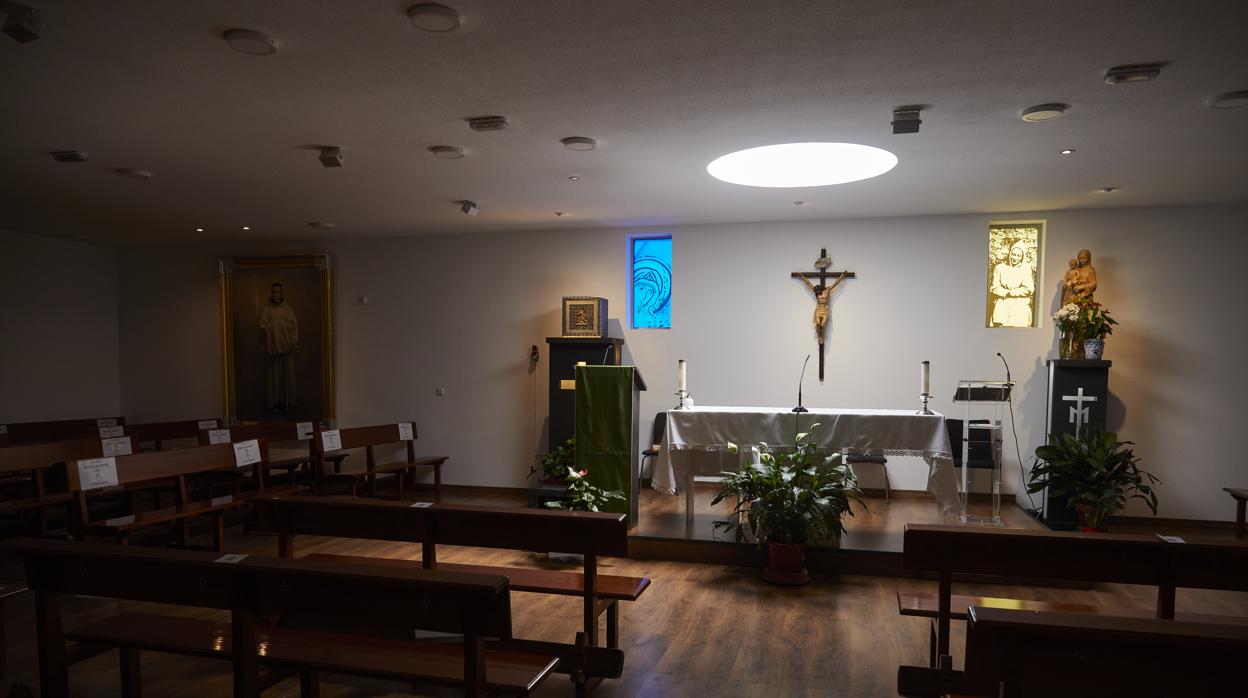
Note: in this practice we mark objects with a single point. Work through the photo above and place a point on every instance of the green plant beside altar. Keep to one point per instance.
(582, 496)
(556, 464)
(1095, 472)
(788, 500)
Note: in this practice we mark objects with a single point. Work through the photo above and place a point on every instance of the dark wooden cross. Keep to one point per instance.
(823, 292)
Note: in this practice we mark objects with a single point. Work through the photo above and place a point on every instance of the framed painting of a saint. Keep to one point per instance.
(277, 337)
(1015, 258)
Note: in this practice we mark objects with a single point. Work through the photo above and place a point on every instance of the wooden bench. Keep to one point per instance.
(157, 433)
(26, 468)
(318, 633)
(1023, 654)
(586, 533)
(1241, 506)
(160, 466)
(57, 430)
(300, 454)
(369, 438)
(1111, 558)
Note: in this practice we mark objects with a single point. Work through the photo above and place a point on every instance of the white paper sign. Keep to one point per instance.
(218, 436)
(109, 422)
(120, 521)
(405, 431)
(246, 453)
(207, 424)
(331, 440)
(111, 432)
(218, 501)
(231, 559)
(4, 428)
(305, 430)
(1171, 539)
(97, 473)
(421, 505)
(119, 446)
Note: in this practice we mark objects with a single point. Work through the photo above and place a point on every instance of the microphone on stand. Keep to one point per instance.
(1007, 368)
(799, 407)
(607, 353)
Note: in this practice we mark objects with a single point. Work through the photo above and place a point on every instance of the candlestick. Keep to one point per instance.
(925, 376)
(680, 376)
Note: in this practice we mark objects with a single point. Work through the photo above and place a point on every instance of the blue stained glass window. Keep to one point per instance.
(652, 282)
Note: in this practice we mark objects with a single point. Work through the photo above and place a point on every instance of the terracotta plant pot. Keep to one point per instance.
(786, 564)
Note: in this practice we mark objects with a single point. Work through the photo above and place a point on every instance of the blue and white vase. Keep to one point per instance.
(1093, 349)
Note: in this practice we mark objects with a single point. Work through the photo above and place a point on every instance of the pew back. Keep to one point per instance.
(59, 430)
(159, 432)
(164, 465)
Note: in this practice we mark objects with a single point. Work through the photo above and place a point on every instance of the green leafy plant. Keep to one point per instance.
(557, 463)
(794, 497)
(1093, 470)
(582, 496)
(1095, 321)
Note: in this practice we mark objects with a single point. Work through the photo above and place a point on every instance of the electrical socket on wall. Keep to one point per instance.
(440, 392)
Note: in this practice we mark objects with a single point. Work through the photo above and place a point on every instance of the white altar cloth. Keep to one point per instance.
(867, 432)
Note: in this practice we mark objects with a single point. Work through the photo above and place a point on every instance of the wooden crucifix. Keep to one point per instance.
(823, 293)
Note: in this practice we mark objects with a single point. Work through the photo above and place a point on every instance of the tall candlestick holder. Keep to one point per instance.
(925, 397)
(682, 400)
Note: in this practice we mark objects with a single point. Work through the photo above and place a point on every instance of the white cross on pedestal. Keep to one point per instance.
(1079, 414)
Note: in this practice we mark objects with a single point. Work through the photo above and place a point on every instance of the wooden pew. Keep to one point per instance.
(300, 454)
(28, 467)
(1241, 509)
(511, 528)
(159, 466)
(319, 632)
(1026, 654)
(58, 430)
(369, 438)
(1109, 558)
(157, 433)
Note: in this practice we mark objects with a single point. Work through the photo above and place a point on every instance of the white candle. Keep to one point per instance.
(925, 376)
(680, 375)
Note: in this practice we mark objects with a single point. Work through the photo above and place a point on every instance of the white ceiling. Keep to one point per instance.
(664, 86)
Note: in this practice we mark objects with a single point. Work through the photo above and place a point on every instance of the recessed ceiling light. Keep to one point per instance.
(246, 227)
(447, 152)
(1121, 74)
(1043, 112)
(431, 17)
(574, 178)
(802, 164)
(322, 225)
(133, 174)
(250, 42)
(1230, 100)
(579, 143)
(1066, 151)
(199, 230)
(1107, 190)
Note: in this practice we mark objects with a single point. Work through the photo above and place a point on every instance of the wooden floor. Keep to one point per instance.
(700, 630)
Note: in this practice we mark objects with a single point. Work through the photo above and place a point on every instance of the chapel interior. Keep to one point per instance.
(557, 348)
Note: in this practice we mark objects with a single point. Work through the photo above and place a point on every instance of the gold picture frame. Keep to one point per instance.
(278, 365)
(584, 316)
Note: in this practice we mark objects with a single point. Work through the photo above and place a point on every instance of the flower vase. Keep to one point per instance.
(1094, 349)
(1070, 346)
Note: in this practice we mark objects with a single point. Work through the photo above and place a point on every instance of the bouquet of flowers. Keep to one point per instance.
(1068, 317)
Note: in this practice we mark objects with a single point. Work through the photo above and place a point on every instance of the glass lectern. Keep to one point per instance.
(977, 442)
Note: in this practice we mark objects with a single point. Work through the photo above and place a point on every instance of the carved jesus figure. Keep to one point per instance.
(822, 312)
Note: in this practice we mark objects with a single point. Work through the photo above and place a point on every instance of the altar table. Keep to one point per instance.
(862, 432)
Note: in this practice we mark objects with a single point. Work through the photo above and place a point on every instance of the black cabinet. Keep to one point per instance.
(565, 352)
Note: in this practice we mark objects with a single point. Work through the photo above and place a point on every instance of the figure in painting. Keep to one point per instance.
(822, 312)
(281, 332)
(1082, 283)
(1013, 287)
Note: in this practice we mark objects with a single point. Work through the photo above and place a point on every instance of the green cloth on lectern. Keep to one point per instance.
(604, 418)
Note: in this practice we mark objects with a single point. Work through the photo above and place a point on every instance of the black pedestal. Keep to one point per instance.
(564, 353)
(1077, 395)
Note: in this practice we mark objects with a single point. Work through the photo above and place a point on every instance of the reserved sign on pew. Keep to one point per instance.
(112, 432)
(331, 440)
(4, 428)
(207, 424)
(218, 436)
(119, 446)
(304, 430)
(246, 453)
(107, 422)
(405, 431)
(98, 473)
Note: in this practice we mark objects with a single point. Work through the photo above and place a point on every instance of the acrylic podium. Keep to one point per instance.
(607, 408)
(991, 397)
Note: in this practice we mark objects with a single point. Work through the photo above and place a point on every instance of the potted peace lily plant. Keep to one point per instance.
(1095, 472)
(582, 496)
(788, 501)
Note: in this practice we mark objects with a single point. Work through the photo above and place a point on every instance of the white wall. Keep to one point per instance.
(58, 321)
(461, 311)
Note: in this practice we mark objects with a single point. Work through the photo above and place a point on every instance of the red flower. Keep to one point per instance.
(583, 473)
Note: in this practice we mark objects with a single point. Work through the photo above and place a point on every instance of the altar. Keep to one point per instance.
(855, 431)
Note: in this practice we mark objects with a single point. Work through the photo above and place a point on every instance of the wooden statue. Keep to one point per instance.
(823, 293)
(1080, 282)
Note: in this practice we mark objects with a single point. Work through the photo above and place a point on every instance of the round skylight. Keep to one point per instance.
(802, 164)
